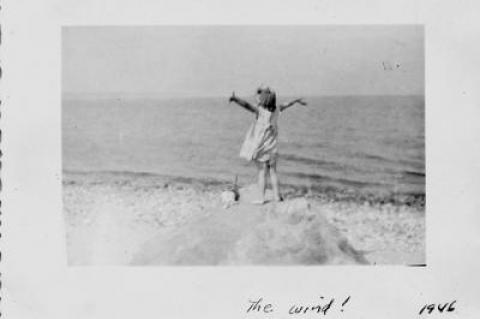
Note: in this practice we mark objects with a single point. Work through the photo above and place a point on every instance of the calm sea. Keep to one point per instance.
(362, 145)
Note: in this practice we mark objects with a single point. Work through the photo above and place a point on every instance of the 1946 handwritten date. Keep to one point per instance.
(441, 307)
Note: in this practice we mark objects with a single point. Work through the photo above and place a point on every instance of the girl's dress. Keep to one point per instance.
(261, 140)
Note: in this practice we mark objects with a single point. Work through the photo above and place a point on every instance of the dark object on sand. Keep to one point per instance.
(231, 194)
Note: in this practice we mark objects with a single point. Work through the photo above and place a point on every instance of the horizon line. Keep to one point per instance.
(190, 96)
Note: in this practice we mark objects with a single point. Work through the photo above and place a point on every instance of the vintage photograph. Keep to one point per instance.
(244, 145)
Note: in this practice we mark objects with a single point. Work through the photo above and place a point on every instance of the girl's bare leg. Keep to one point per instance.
(274, 180)
(262, 172)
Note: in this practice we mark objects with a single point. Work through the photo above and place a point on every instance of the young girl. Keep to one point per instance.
(260, 143)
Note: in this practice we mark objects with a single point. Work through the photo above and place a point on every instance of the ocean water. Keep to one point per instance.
(358, 146)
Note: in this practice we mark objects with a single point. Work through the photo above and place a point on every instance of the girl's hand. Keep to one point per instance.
(302, 102)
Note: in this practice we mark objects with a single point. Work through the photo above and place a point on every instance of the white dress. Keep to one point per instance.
(261, 140)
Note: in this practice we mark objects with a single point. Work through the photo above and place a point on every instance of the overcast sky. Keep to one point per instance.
(213, 61)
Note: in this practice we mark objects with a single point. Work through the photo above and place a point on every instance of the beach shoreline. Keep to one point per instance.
(110, 216)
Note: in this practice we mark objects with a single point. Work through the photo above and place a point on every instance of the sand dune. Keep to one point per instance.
(276, 233)
(117, 220)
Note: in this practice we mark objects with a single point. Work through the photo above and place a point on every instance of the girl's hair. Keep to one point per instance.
(267, 98)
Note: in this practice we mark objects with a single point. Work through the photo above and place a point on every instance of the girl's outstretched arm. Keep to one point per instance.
(243, 103)
(287, 105)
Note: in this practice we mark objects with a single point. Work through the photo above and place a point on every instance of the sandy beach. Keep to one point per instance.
(143, 219)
